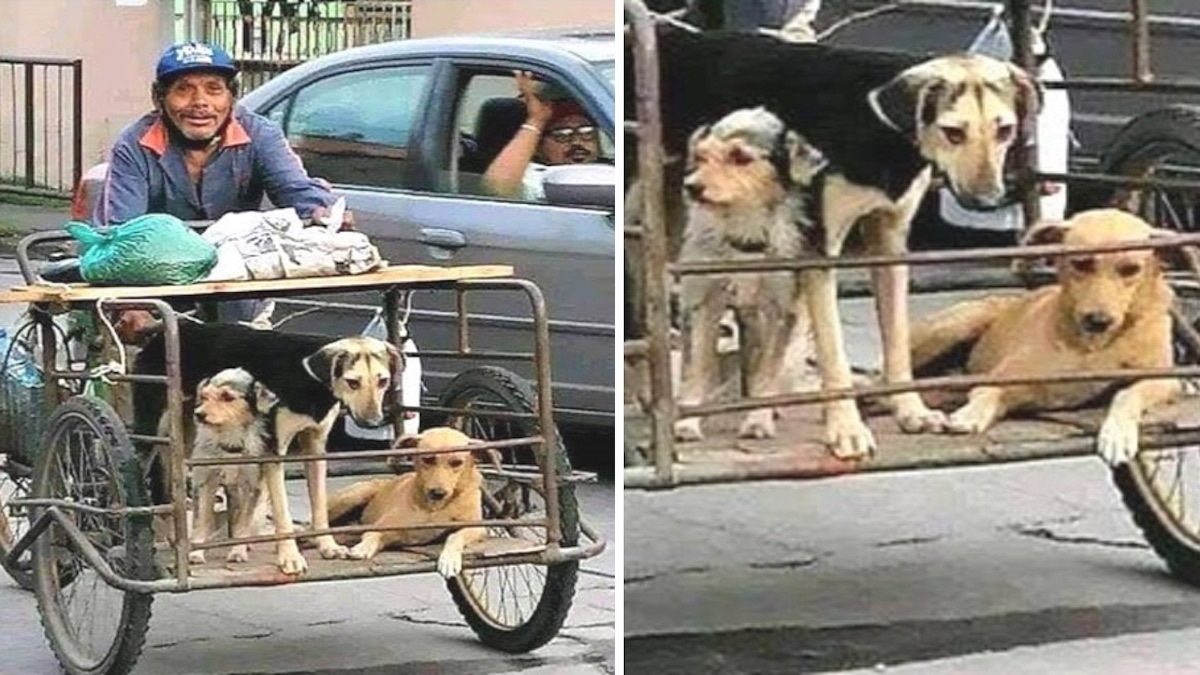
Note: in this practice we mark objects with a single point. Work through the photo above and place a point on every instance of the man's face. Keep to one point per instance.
(198, 104)
(571, 139)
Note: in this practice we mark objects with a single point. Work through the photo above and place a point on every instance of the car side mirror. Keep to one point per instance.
(581, 185)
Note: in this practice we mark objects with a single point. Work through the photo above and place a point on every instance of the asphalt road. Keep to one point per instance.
(1034, 568)
(396, 626)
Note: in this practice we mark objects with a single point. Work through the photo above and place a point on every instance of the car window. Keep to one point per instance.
(354, 128)
(487, 116)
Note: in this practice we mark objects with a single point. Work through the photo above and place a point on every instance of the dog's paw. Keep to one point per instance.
(449, 564)
(846, 434)
(290, 559)
(196, 557)
(914, 417)
(1117, 441)
(361, 551)
(688, 429)
(331, 550)
(238, 554)
(969, 419)
(758, 424)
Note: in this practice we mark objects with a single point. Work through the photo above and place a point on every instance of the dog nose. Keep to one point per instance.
(1096, 322)
(201, 417)
(437, 494)
(694, 190)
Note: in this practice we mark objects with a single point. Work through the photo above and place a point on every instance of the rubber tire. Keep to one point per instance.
(1151, 136)
(130, 636)
(21, 574)
(551, 611)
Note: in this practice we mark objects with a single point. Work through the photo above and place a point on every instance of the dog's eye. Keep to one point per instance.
(1129, 270)
(955, 135)
(227, 396)
(1083, 265)
(429, 460)
(456, 463)
(1004, 132)
(353, 384)
(383, 382)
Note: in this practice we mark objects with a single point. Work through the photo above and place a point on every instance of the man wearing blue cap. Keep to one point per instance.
(199, 155)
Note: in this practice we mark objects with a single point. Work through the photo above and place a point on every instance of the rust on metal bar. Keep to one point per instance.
(928, 257)
(946, 382)
(460, 304)
(69, 505)
(654, 240)
(175, 429)
(361, 454)
(360, 529)
(1024, 147)
(1140, 34)
(809, 467)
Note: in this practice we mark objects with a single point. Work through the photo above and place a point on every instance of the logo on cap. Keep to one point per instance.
(193, 53)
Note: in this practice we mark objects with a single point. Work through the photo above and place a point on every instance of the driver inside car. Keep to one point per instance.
(555, 132)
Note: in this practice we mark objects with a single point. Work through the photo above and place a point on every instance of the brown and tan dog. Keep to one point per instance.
(1108, 311)
(442, 488)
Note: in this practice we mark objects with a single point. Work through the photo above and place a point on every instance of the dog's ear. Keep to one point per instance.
(405, 442)
(909, 101)
(1175, 257)
(698, 135)
(804, 160)
(1027, 100)
(1045, 232)
(489, 455)
(263, 400)
(200, 387)
(326, 364)
(396, 368)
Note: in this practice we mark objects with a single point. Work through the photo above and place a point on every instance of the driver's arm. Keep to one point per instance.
(126, 188)
(283, 176)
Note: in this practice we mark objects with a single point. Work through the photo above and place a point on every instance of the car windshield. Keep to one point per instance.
(608, 69)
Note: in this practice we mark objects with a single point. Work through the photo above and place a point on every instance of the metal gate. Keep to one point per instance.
(267, 37)
(41, 125)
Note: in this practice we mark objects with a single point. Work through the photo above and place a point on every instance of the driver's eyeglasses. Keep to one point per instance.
(568, 134)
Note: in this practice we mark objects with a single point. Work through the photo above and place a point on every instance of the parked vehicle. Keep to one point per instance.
(404, 131)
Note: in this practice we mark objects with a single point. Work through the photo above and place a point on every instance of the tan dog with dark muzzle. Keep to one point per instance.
(1108, 312)
(442, 487)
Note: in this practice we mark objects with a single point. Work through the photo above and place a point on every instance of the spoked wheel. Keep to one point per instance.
(513, 608)
(14, 484)
(1159, 486)
(93, 628)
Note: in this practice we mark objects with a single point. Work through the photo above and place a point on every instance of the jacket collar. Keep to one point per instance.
(156, 138)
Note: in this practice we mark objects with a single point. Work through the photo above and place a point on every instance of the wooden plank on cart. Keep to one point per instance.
(396, 275)
(798, 450)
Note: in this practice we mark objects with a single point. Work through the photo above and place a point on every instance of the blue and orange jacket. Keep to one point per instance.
(147, 174)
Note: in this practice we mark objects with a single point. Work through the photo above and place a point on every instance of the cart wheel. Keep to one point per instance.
(1163, 143)
(14, 484)
(93, 628)
(513, 608)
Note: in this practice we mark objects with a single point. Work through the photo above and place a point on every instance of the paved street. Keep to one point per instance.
(1032, 568)
(375, 627)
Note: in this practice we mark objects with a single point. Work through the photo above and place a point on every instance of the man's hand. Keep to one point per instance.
(347, 218)
(537, 109)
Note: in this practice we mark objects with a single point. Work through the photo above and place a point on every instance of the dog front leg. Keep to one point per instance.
(985, 405)
(1117, 441)
(203, 521)
(891, 302)
(762, 350)
(702, 311)
(287, 553)
(243, 504)
(845, 431)
(450, 560)
(315, 474)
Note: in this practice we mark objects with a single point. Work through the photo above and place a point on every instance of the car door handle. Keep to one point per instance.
(436, 236)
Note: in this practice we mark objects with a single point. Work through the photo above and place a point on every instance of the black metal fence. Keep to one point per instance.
(41, 125)
(269, 36)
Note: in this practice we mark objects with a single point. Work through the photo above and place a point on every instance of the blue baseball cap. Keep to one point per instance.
(191, 56)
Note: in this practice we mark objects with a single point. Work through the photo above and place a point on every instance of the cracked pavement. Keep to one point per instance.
(1027, 568)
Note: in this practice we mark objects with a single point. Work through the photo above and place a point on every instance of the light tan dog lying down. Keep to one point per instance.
(441, 488)
(1107, 311)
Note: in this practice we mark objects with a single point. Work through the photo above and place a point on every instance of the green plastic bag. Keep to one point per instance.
(150, 250)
